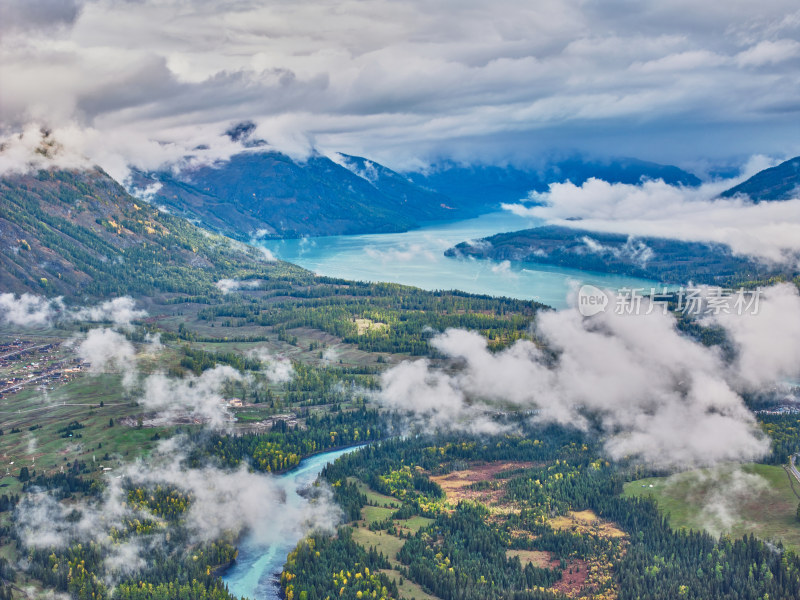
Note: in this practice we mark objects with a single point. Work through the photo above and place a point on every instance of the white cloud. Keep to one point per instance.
(223, 502)
(277, 369)
(28, 310)
(104, 350)
(768, 52)
(199, 396)
(121, 311)
(31, 310)
(147, 82)
(226, 286)
(404, 252)
(656, 395)
(769, 231)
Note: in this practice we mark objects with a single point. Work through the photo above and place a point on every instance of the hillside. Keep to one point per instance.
(781, 182)
(489, 186)
(77, 233)
(266, 193)
(660, 259)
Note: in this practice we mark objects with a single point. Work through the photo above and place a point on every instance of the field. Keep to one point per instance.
(758, 500)
(384, 542)
(374, 497)
(35, 431)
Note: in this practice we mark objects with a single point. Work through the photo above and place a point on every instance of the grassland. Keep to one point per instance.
(382, 507)
(758, 500)
(39, 441)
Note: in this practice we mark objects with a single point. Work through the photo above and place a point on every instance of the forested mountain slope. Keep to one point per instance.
(78, 233)
(268, 194)
(660, 259)
(781, 182)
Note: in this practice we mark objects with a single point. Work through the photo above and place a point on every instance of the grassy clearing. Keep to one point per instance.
(762, 501)
(414, 524)
(585, 521)
(408, 589)
(538, 558)
(374, 497)
(383, 542)
(373, 514)
(40, 420)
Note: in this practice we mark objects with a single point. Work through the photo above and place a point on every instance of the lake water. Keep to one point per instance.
(256, 573)
(412, 258)
(417, 258)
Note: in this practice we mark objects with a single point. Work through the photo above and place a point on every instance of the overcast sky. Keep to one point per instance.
(676, 81)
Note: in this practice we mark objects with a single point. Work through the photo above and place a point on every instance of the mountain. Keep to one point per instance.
(489, 186)
(79, 233)
(659, 259)
(266, 193)
(781, 182)
(397, 186)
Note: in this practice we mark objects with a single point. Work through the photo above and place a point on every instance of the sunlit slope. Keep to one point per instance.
(78, 233)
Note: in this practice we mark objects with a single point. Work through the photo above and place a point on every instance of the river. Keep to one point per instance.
(417, 258)
(257, 569)
(412, 258)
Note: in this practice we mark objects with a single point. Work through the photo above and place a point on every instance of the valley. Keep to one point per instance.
(244, 359)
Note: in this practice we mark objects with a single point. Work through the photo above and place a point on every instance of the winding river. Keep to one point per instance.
(256, 572)
(412, 258)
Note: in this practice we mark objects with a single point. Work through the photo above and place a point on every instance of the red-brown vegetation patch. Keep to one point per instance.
(456, 483)
(573, 578)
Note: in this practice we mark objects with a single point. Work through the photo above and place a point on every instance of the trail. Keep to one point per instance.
(792, 473)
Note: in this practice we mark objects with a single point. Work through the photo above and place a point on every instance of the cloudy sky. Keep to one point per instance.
(675, 81)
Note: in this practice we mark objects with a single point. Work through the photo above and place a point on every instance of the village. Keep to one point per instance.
(25, 364)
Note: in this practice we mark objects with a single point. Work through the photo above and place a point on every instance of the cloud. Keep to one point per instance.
(31, 310)
(200, 397)
(104, 350)
(120, 311)
(28, 15)
(276, 369)
(769, 231)
(504, 268)
(150, 82)
(28, 310)
(222, 502)
(728, 489)
(767, 343)
(655, 395)
(267, 254)
(633, 249)
(226, 286)
(768, 52)
(404, 252)
(330, 356)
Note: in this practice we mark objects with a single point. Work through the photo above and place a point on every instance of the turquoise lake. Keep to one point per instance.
(417, 258)
(412, 258)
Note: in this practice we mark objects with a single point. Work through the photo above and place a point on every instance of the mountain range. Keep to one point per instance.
(79, 233)
(263, 193)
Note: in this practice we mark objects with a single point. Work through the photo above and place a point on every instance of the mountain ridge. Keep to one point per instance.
(78, 233)
(264, 193)
(660, 259)
(781, 182)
